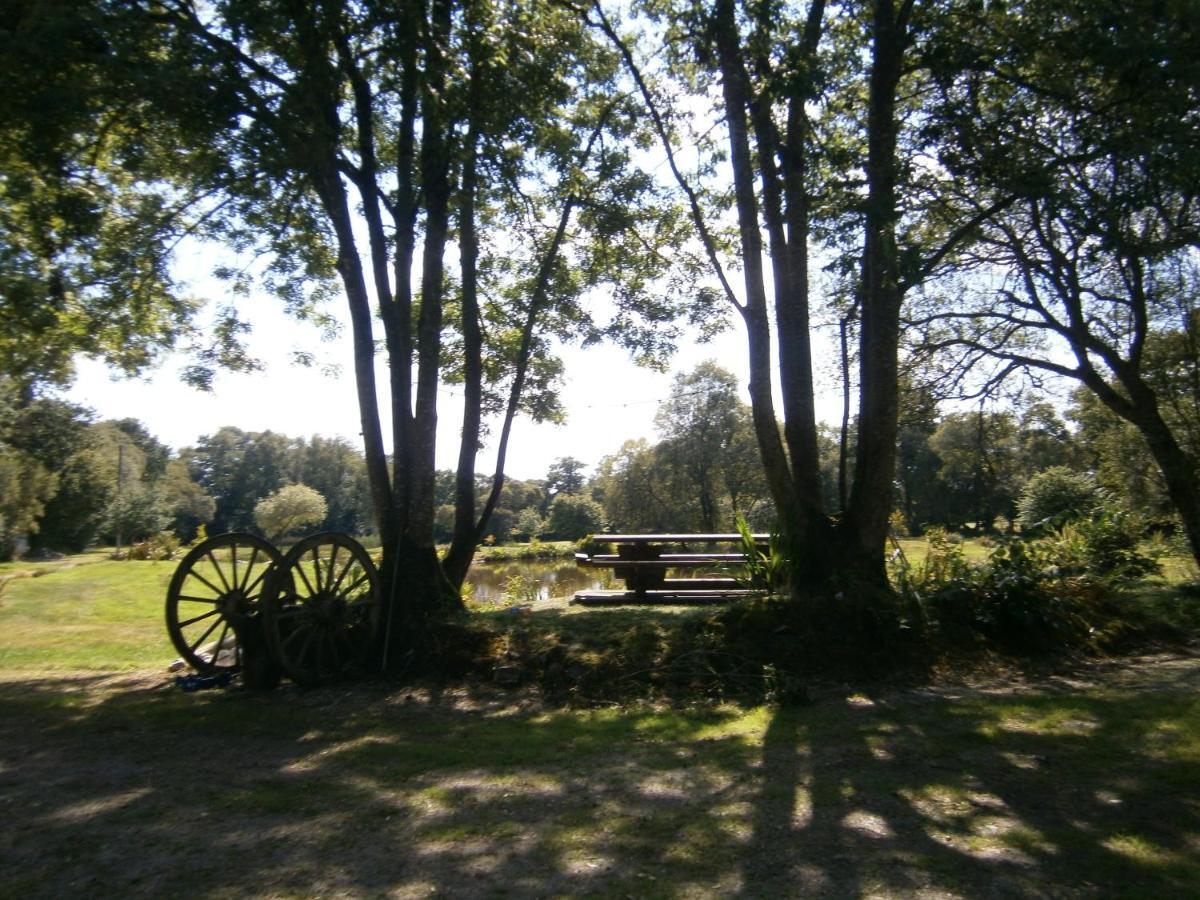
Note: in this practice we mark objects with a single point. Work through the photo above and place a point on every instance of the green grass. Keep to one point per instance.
(374, 790)
(527, 550)
(85, 613)
(131, 787)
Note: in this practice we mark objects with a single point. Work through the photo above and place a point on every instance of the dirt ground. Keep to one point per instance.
(1065, 785)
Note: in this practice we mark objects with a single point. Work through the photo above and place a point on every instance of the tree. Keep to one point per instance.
(1094, 265)
(25, 488)
(190, 506)
(698, 421)
(529, 524)
(1116, 452)
(351, 145)
(980, 476)
(917, 462)
(633, 491)
(237, 469)
(337, 471)
(135, 514)
(86, 226)
(824, 138)
(565, 476)
(573, 516)
(59, 437)
(288, 509)
(1055, 496)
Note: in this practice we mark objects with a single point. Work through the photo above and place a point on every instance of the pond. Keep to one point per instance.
(529, 581)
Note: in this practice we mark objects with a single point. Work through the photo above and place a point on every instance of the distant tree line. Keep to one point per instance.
(68, 481)
(962, 470)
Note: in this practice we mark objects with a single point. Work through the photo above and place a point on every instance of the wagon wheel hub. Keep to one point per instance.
(329, 609)
(234, 604)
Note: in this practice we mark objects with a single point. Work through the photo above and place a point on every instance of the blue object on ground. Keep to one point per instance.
(190, 683)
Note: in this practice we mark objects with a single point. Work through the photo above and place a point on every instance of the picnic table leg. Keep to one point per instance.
(641, 580)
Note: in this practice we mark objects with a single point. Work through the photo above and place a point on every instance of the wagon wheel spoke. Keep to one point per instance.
(208, 584)
(332, 568)
(221, 572)
(195, 619)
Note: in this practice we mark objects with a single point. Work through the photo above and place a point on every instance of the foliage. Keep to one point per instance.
(565, 476)
(1088, 272)
(765, 569)
(1030, 594)
(191, 507)
(86, 226)
(136, 514)
(703, 471)
(161, 546)
(1117, 453)
(530, 524)
(530, 550)
(1056, 496)
(1112, 545)
(25, 488)
(573, 516)
(290, 508)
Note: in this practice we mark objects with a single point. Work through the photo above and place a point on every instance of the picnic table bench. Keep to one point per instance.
(643, 562)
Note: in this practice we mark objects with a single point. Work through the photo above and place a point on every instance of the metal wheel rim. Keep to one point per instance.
(218, 587)
(323, 611)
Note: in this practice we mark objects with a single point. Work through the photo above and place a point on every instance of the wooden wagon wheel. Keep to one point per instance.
(215, 598)
(321, 618)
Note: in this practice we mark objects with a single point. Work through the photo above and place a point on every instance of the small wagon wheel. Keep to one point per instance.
(217, 592)
(323, 612)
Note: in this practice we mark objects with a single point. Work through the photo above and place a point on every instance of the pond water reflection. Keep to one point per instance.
(529, 581)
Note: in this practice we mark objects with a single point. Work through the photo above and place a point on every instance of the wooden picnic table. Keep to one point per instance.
(642, 562)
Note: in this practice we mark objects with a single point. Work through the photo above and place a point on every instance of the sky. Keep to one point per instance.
(607, 397)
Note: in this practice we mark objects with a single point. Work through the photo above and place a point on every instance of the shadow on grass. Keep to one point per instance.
(377, 790)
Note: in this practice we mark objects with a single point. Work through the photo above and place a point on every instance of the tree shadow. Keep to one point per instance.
(411, 791)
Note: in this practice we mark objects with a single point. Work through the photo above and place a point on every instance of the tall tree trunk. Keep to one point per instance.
(1180, 471)
(870, 504)
(397, 316)
(754, 313)
(792, 311)
(421, 587)
(462, 544)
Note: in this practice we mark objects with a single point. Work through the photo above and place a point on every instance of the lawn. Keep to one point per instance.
(115, 783)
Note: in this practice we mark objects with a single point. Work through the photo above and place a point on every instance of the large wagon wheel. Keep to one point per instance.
(215, 598)
(323, 613)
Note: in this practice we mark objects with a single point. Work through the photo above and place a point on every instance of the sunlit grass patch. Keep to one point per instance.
(1144, 852)
(104, 615)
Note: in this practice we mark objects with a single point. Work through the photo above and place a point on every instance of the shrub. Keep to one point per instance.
(288, 509)
(163, 545)
(1022, 598)
(1111, 545)
(1056, 496)
(573, 516)
(767, 569)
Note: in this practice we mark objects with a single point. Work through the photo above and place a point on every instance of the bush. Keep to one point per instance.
(1023, 598)
(135, 515)
(573, 516)
(1056, 496)
(288, 509)
(163, 545)
(1111, 541)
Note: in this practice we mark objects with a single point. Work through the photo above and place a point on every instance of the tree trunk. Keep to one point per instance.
(462, 543)
(435, 176)
(754, 313)
(870, 503)
(1179, 469)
